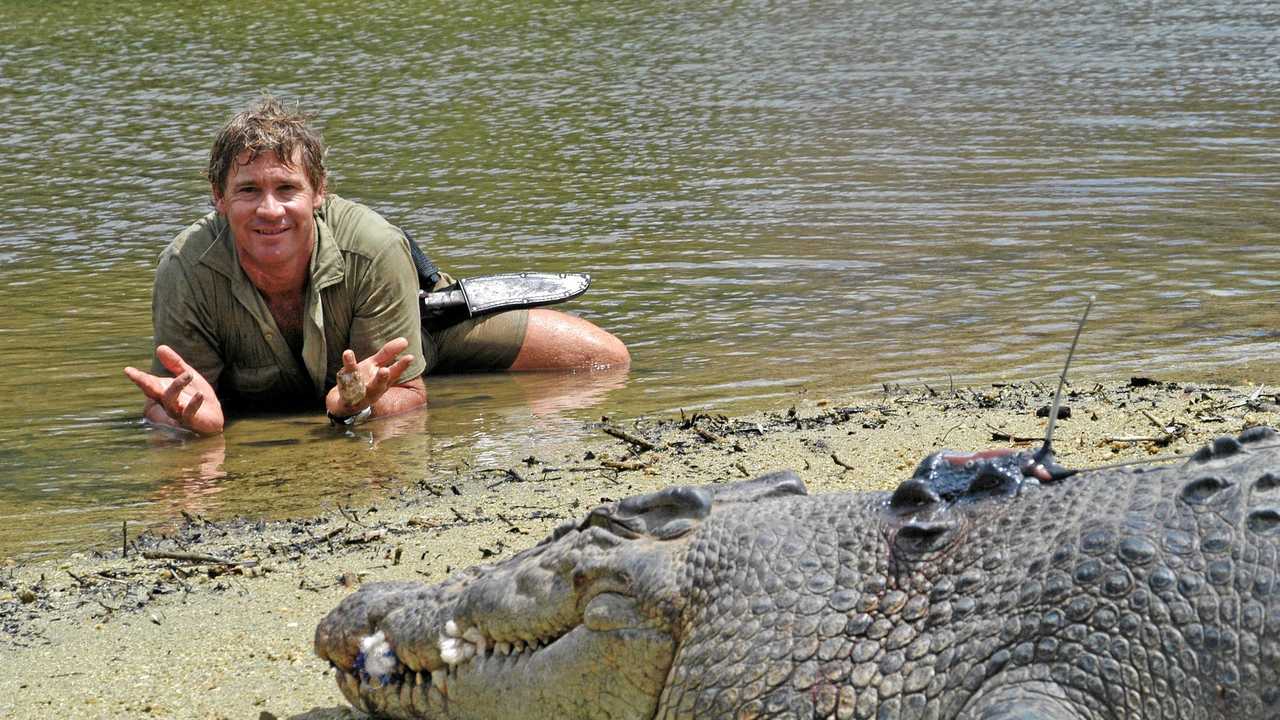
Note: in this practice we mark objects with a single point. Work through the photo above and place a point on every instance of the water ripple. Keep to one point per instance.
(769, 198)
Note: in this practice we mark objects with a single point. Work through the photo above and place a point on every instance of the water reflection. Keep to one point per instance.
(554, 396)
(196, 467)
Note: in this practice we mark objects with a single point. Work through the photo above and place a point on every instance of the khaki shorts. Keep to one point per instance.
(462, 344)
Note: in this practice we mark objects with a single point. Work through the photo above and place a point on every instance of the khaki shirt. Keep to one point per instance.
(362, 292)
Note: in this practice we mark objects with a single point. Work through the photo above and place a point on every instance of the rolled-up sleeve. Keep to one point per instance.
(180, 320)
(386, 305)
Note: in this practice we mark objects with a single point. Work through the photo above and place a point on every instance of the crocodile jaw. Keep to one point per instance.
(612, 664)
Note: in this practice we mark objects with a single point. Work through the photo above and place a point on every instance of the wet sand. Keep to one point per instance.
(217, 622)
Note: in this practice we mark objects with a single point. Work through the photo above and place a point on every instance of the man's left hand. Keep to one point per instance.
(379, 372)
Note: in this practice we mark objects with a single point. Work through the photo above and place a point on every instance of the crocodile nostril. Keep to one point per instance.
(921, 536)
(913, 495)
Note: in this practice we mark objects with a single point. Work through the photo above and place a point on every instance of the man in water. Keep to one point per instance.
(259, 304)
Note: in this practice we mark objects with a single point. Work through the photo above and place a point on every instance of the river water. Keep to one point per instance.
(776, 200)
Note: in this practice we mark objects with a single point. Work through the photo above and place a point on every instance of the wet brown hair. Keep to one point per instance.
(267, 126)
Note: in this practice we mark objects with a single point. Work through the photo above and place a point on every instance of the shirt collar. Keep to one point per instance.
(327, 266)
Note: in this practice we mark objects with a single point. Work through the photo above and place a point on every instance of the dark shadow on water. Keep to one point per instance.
(272, 443)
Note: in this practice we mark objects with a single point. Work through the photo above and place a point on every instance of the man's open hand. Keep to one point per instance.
(379, 372)
(186, 400)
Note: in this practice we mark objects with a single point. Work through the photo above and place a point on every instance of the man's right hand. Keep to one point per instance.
(185, 400)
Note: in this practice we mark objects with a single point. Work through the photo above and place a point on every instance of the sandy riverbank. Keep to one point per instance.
(177, 636)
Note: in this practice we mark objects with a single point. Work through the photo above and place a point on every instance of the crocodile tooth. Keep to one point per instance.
(451, 650)
(502, 648)
(468, 651)
(439, 680)
(451, 629)
(477, 638)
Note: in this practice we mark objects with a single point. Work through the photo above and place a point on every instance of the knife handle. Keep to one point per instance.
(442, 301)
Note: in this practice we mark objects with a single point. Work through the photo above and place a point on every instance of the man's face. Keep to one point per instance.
(269, 206)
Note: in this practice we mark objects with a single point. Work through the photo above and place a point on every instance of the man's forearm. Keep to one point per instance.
(401, 398)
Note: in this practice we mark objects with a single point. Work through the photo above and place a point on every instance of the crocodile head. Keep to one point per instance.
(595, 611)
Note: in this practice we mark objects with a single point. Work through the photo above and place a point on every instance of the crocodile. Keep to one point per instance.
(990, 585)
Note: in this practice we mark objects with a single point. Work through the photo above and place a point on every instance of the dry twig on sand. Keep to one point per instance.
(635, 440)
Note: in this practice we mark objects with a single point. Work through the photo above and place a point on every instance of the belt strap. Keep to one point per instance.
(428, 273)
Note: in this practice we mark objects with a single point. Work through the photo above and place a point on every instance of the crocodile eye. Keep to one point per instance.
(983, 482)
(988, 478)
(597, 518)
(606, 521)
(561, 530)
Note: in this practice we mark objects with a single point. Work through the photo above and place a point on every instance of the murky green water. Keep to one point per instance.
(772, 197)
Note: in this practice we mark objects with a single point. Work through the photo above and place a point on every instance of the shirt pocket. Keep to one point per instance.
(257, 380)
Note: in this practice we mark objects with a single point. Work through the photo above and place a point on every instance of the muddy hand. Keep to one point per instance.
(367, 380)
(350, 385)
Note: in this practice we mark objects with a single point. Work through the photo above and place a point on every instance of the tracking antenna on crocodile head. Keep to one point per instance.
(1045, 453)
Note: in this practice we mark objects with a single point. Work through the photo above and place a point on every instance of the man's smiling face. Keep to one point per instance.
(270, 206)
